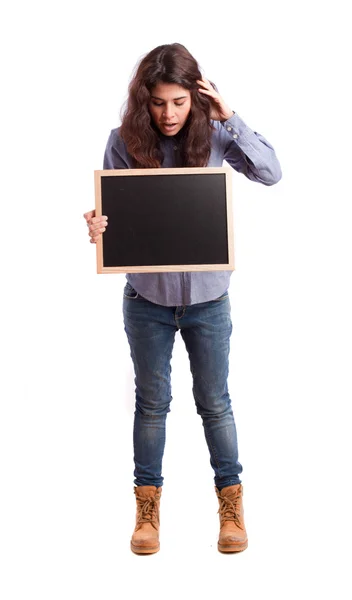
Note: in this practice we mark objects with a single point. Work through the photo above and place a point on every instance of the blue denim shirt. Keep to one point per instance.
(244, 150)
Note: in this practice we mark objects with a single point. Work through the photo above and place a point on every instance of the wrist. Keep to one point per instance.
(228, 116)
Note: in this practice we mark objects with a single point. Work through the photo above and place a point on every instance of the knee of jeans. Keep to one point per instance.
(152, 406)
(214, 406)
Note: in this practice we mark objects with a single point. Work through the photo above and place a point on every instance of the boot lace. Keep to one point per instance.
(229, 509)
(147, 511)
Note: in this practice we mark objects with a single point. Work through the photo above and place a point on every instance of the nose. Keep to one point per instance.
(168, 112)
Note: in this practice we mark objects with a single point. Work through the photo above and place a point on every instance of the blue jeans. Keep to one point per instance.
(205, 328)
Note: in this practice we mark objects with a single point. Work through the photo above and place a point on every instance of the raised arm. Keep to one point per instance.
(248, 152)
(245, 150)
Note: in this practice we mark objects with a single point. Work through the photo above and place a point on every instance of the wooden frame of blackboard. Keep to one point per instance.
(219, 208)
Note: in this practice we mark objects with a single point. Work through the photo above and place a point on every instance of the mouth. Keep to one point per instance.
(169, 126)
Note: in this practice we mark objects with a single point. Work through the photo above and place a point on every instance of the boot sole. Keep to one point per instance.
(234, 548)
(145, 550)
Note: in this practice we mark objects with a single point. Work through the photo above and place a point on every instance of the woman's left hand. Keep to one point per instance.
(220, 111)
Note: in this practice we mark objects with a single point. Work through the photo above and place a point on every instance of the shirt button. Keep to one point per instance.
(235, 136)
(175, 147)
(229, 129)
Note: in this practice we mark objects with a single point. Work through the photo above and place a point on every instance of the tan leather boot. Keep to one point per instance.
(233, 536)
(145, 538)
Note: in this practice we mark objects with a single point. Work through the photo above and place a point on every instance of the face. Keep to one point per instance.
(169, 106)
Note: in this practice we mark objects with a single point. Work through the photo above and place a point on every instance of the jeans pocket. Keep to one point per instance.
(224, 296)
(130, 293)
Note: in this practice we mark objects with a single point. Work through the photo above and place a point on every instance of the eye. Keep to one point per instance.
(157, 103)
(182, 103)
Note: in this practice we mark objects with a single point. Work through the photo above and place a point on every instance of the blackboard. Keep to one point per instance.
(176, 219)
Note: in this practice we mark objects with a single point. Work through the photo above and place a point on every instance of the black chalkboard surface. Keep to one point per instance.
(165, 220)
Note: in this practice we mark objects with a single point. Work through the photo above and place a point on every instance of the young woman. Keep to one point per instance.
(176, 118)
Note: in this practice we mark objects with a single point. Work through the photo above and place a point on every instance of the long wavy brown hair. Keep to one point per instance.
(170, 63)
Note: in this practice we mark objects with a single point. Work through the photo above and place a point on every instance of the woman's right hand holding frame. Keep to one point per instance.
(96, 225)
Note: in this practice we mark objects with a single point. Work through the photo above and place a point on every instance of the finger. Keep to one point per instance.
(95, 238)
(203, 82)
(206, 83)
(96, 232)
(102, 219)
(208, 89)
(211, 93)
(209, 85)
(89, 215)
(97, 227)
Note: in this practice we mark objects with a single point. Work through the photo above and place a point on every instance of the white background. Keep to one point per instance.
(67, 503)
